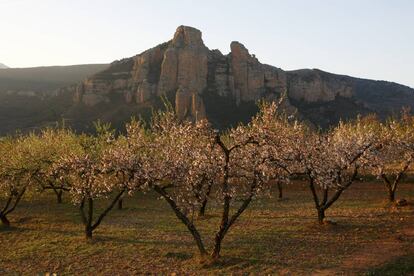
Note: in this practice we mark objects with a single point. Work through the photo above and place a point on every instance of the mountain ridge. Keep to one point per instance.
(199, 83)
(196, 79)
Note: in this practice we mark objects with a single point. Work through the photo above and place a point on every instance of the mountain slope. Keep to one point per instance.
(35, 97)
(199, 82)
(225, 88)
(3, 66)
(45, 78)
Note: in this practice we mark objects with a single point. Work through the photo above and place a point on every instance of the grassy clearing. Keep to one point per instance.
(271, 237)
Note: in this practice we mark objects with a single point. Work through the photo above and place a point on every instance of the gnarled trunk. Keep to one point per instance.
(88, 233)
(59, 197)
(202, 211)
(391, 195)
(87, 218)
(217, 246)
(10, 206)
(321, 215)
(120, 204)
(4, 221)
(184, 219)
(280, 189)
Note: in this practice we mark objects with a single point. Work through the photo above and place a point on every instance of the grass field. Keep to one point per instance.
(272, 237)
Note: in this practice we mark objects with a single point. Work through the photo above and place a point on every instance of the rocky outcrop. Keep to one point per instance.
(310, 86)
(185, 71)
(177, 68)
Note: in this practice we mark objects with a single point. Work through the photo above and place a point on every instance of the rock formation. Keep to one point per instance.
(177, 68)
(185, 71)
(311, 87)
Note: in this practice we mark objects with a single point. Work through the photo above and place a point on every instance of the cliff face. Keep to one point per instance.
(176, 69)
(184, 69)
(198, 80)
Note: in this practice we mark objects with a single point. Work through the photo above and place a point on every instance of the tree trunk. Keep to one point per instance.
(391, 195)
(184, 219)
(223, 225)
(59, 197)
(202, 211)
(120, 204)
(88, 233)
(280, 188)
(217, 247)
(321, 215)
(5, 221)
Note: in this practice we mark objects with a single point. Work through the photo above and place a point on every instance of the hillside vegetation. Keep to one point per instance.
(45, 78)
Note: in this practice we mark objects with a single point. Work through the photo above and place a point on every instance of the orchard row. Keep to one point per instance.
(188, 164)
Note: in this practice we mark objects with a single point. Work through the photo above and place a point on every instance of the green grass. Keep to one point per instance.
(271, 237)
(401, 266)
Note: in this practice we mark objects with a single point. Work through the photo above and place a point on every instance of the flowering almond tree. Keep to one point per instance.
(395, 156)
(94, 174)
(243, 176)
(280, 138)
(249, 158)
(18, 164)
(181, 159)
(55, 144)
(331, 160)
(188, 157)
(124, 160)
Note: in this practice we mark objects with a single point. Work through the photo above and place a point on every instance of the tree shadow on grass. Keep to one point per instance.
(178, 255)
(65, 232)
(11, 228)
(232, 263)
(121, 240)
(14, 228)
(401, 266)
(303, 245)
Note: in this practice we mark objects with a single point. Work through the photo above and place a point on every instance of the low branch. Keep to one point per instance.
(110, 207)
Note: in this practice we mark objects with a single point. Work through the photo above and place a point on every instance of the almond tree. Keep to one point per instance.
(250, 157)
(18, 164)
(186, 157)
(55, 145)
(331, 160)
(125, 159)
(97, 172)
(180, 154)
(242, 176)
(395, 156)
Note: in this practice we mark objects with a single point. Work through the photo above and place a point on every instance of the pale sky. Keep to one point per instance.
(363, 38)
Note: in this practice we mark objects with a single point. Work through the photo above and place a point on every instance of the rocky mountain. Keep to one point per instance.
(3, 66)
(225, 88)
(199, 82)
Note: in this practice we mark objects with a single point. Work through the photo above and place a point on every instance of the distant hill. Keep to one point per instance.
(39, 96)
(45, 78)
(3, 66)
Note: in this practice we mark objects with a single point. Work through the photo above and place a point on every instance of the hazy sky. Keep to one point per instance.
(364, 38)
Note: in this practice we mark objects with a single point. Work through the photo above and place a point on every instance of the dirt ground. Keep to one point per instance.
(277, 237)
